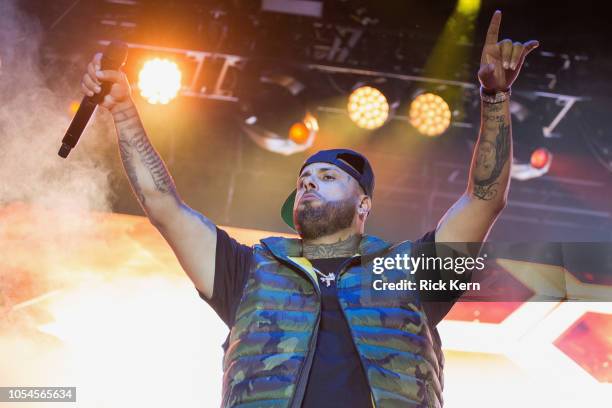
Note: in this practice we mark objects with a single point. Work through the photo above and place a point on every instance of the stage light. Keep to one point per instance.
(159, 81)
(539, 164)
(299, 132)
(468, 7)
(368, 107)
(429, 114)
(452, 51)
(540, 158)
(300, 137)
(275, 115)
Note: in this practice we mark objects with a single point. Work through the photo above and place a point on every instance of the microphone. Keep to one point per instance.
(113, 58)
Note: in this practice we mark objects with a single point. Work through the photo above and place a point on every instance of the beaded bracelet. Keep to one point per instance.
(497, 97)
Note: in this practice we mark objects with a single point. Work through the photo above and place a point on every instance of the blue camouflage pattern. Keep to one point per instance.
(271, 343)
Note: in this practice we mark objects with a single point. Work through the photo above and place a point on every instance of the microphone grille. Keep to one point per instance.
(114, 55)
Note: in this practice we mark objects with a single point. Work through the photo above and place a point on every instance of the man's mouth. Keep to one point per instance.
(310, 196)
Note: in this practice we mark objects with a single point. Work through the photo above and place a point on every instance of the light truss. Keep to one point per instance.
(231, 61)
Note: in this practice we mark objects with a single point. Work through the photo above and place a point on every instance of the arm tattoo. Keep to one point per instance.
(127, 158)
(138, 153)
(492, 152)
(340, 249)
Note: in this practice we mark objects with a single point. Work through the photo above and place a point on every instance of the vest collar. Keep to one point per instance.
(289, 251)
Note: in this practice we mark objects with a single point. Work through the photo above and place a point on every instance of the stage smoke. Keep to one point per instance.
(33, 119)
(35, 184)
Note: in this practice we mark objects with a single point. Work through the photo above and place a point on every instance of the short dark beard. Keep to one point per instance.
(326, 219)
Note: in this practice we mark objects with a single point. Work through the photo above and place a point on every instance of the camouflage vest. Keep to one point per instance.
(271, 344)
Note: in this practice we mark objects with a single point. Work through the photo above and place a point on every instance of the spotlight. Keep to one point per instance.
(539, 164)
(540, 158)
(159, 81)
(368, 107)
(299, 132)
(275, 116)
(429, 114)
(468, 7)
(300, 137)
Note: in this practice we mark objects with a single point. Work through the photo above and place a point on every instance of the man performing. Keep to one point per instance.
(303, 332)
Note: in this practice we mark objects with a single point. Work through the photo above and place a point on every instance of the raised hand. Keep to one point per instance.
(501, 61)
(120, 90)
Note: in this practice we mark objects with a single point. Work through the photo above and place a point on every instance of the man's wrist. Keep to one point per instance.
(494, 96)
(120, 107)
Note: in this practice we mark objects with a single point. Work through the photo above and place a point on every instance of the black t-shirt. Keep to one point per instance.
(337, 377)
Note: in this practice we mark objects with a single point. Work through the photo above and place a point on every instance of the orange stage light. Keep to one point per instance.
(540, 158)
(299, 133)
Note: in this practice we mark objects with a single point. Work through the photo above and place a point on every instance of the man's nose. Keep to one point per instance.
(310, 184)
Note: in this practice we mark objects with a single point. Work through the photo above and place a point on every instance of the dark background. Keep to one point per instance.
(222, 173)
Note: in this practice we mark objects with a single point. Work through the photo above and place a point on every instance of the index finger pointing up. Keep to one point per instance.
(493, 31)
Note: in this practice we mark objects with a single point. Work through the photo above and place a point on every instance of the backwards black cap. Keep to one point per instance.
(355, 164)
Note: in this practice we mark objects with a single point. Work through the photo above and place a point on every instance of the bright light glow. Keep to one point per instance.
(540, 158)
(299, 132)
(74, 107)
(429, 114)
(126, 327)
(106, 324)
(368, 107)
(159, 81)
(311, 122)
(468, 7)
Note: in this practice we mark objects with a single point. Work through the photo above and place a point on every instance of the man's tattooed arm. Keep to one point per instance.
(490, 170)
(144, 167)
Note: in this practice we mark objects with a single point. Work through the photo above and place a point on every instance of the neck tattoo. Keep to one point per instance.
(340, 249)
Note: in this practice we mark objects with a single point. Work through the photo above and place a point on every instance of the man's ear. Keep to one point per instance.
(365, 205)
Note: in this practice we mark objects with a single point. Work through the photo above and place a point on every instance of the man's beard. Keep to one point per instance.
(325, 219)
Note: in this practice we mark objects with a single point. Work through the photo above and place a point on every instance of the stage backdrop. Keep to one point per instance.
(98, 301)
